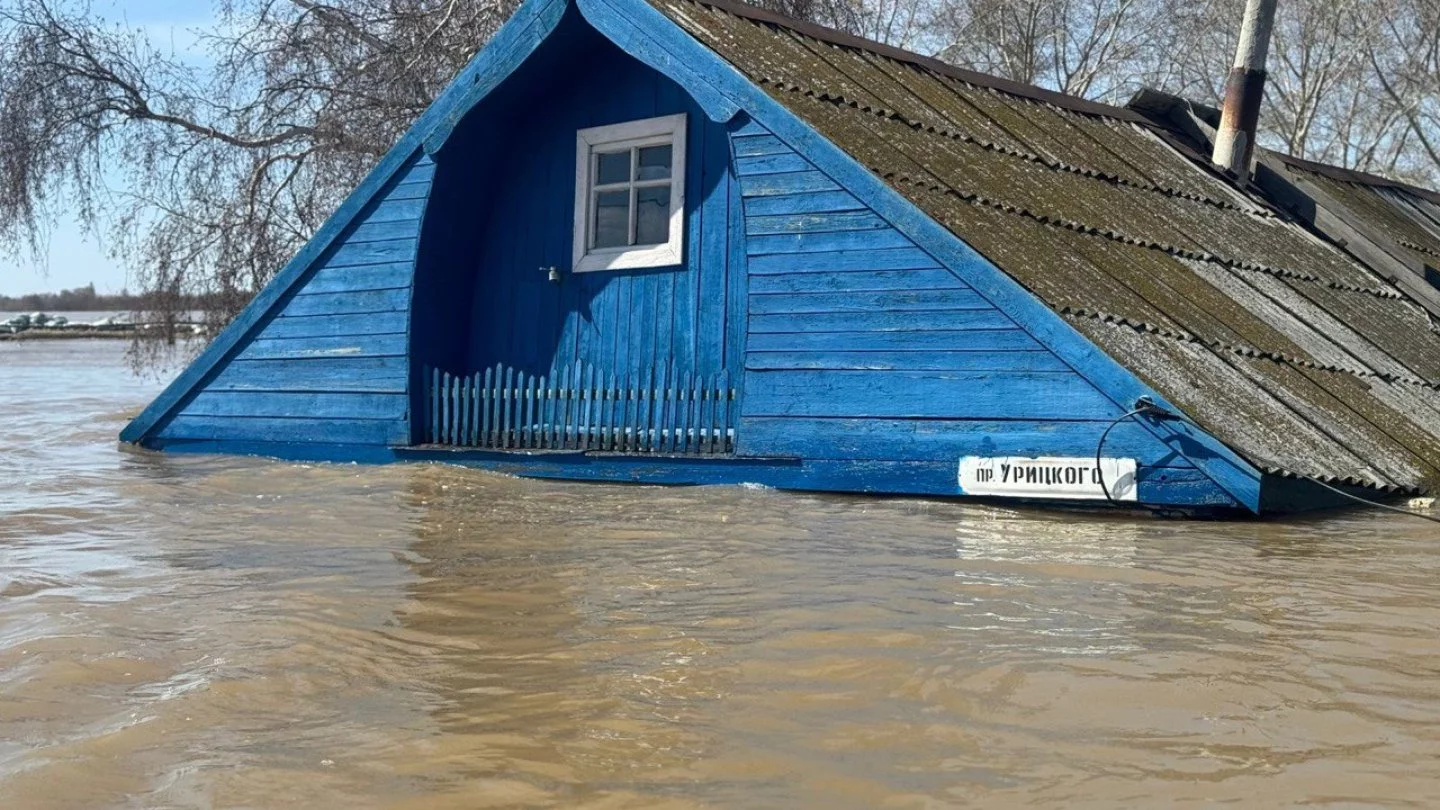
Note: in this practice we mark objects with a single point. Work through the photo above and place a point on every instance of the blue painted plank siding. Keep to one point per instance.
(504, 213)
(861, 346)
(329, 365)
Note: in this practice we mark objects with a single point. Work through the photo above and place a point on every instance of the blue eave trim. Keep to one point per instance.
(648, 35)
(512, 44)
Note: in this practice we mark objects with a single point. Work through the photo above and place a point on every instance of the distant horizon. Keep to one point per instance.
(76, 299)
(100, 289)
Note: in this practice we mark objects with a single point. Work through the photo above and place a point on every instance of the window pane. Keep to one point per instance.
(612, 219)
(612, 167)
(654, 163)
(652, 215)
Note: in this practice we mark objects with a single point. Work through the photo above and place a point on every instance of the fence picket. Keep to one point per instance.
(532, 426)
(682, 412)
(506, 389)
(547, 413)
(632, 410)
(666, 410)
(573, 409)
(517, 400)
(642, 421)
(445, 410)
(430, 377)
(457, 399)
(454, 398)
(656, 409)
(617, 411)
(725, 446)
(610, 418)
(716, 410)
(462, 418)
(472, 412)
(473, 420)
(697, 414)
(627, 406)
(597, 437)
(706, 420)
(587, 400)
(523, 411)
(565, 410)
(538, 414)
(662, 407)
(531, 395)
(460, 408)
(702, 414)
(607, 411)
(485, 397)
(481, 426)
(636, 417)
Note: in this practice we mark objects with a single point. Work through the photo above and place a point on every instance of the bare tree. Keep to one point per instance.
(1408, 74)
(226, 168)
(1093, 48)
(1352, 82)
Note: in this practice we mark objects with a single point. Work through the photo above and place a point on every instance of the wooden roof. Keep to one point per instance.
(1280, 344)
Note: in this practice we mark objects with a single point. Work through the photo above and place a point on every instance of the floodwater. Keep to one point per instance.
(216, 632)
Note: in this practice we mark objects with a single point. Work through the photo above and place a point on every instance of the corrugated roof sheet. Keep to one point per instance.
(1297, 356)
(1409, 216)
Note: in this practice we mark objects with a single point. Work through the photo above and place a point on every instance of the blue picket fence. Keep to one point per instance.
(580, 407)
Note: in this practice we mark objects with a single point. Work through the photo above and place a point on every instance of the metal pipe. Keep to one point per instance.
(1244, 89)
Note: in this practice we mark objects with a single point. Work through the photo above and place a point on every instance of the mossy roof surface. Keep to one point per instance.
(1408, 216)
(1296, 355)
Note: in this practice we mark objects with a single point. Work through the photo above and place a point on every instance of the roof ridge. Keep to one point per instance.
(1118, 236)
(846, 40)
(1356, 176)
(955, 133)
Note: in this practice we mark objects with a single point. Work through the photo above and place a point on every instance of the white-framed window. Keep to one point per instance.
(630, 194)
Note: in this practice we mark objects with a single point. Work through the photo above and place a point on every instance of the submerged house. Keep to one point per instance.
(687, 241)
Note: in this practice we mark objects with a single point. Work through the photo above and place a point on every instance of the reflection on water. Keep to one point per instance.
(229, 632)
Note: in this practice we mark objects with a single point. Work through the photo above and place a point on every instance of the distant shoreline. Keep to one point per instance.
(70, 333)
(42, 335)
(86, 299)
(12, 305)
(98, 331)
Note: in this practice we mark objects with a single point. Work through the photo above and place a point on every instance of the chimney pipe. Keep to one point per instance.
(1244, 89)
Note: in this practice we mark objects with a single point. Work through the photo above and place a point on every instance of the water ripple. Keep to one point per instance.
(191, 631)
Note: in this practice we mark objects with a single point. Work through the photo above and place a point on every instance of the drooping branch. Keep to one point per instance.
(206, 174)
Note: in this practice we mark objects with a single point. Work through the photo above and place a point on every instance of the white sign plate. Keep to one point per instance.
(1048, 477)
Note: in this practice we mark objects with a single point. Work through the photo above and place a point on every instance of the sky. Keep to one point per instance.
(73, 258)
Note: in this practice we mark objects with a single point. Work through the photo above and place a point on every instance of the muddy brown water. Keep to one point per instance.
(206, 632)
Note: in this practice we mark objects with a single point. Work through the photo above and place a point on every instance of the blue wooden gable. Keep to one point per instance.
(483, 280)
(869, 346)
(331, 363)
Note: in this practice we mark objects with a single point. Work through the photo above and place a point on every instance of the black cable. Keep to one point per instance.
(1141, 407)
(1387, 507)
(1144, 405)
